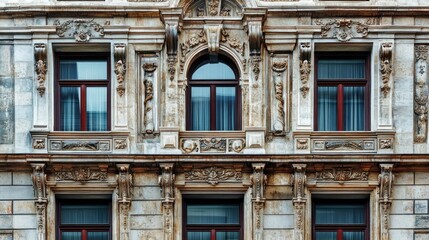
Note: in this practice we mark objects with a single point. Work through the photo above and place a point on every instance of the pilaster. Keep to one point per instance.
(125, 185)
(41, 200)
(258, 180)
(166, 182)
(385, 179)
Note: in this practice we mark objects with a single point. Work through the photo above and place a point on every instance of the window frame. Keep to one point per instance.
(340, 227)
(212, 228)
(213, 84)
(83, 84)
(340, 83)
(84, 228)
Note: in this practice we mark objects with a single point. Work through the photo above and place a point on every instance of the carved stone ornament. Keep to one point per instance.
(385, 179)
(256, 60)
(236, 145)
(171, 62)
(233, 42)
(421, 92)
(213, 7)
(171, 36)
(337, 145)
(81, 174)
(279, 67)
(195, 39)
(149, 69)
(40, 193)
(259, 180)
(344, 29)
(166, 181)
(120, 143)
(213, 143)
(255, 37)
(119, 50)
(386, 67)
(39, 143)
(299, 199)
(342, 174)
(302, 144)
(213, 33)
(213, 175)
(40, 66)
(77, 145)
(81, 29)
(385, 144)
(125, 190)
(304, 67)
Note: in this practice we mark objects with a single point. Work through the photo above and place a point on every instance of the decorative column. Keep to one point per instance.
(119, 50)
(278, 121)
(41, 200)
(148, 122)
(299, 200)
(421, 94)
(259, 180)
(125, 185)
(166, 181)
(385, 192)
(386, 84)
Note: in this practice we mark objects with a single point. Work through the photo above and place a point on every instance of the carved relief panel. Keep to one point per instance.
(148, 97)
(213, 8)
(278, 96)
(421, 94)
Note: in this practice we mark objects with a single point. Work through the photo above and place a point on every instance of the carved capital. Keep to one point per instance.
(125, 183)
(166, 181)
(40, 66)
(213, 34)
(385, 180)
(421, 52)
(39, 182)
(259, 180)
(304, 66)
(386, 67)
(299, 179)
(119, 52)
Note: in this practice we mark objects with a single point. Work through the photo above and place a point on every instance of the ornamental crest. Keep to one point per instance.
(81, 175)
(213, 175)
(342, 174)
(343, 30)
(81, 29)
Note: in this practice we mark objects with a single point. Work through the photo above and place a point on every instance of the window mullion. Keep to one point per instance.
(213, 107)
(340, 104)
(83, 108)
(213, 234)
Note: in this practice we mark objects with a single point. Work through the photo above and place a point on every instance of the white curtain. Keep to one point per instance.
(96, 108)
(70, 104)
(225, 108)
(354, 108)
(327, 108)
(200, 108)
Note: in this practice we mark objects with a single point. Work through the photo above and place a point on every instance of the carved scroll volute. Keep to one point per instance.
(149, 69)
(421, 93)
(119, 50)
(385, 179)
(213, 34)
(279, 67)
(299, 180)
(255, 37)
(304, 66)
(166, 182)
(40, 193)
(386, 67)
(40, 66)
(125, 185)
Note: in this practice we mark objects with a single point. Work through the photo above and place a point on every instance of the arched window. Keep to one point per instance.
(213, 96)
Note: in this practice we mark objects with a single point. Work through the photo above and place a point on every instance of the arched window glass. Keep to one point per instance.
(213, 96)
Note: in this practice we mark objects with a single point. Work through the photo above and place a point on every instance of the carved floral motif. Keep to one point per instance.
(120, 143)
(40, 66)
(305, 67)
(213, 7)
(302, 144)
(81, 29)
(120, 67)
(386, 67)
(233, 42)
(385, 180)
(81, 174)
(213, 175)
(342, 174)
(213, 143)
(195, 39)
(343, 29)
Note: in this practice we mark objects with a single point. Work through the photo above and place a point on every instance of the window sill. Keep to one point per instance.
(357, 142)
(220, 142)
(80, 141)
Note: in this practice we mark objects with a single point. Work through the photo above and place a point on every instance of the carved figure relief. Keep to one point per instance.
(39, 143)
(421, 92)
(304, 67)
(279, 105)
(385, 180)
(212, 145)
(120, 67)
(236, 145)
(213, 7)
(344, 29)
(40, 66)
(81, 29)
(302, 144)
(342, 174)
(385, 144)
(213, 175)
(386, 67)
(149, 69)
(258, 180)
(81, 174)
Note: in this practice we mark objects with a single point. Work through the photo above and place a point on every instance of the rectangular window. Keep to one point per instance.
(82, 82)
(340, 220)
(342, 92)
(212, 220)
(84, 220)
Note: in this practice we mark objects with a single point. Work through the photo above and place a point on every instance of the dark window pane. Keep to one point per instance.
(327, 105)
(213, 214)
(340, 214)
(353, 236)
(96, 108)
(198, 236)
(354, 108)
(225, 108)
(214, 71)
(83, 70)
(200, 108)
(98, 236)
(227, 235)
(84, 214)
(326, 236)
(341, 69)
(71, 236)
(70, 103)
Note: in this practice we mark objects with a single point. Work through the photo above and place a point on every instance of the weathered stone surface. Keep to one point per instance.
(22, 178)
(5, 178)
(404, 178)
(422, 221)
(422, 178)
(278, 207)
(278, 221)
(146, 222)
(402, 221)
(16, 192)
(24, 221)
(146, 234)
(279, 179)
(25, 234)
(6, 110)
(402, 207)
(278, 192)
(411, 192)
(5, 221)
(421, 206)
(24, 207)
(146, 207)
(147, 193)
(145, 179)
(5, 207)
(278, 234)
(6, 236)
(421, 236)
(401, 234)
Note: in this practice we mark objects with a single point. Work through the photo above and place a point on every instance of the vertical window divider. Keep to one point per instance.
(340, 108)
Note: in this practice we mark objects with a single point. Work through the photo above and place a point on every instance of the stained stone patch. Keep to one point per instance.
(421, 236)
(421, 206)
(6, 110)
(422, 221)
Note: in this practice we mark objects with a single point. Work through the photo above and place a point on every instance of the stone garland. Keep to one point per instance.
(120, 66)
(421, 94)
(81, 29)
(40, 66)
(213, 175)
(149, 69)
(342, 29)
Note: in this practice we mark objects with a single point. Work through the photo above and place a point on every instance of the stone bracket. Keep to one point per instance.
(119, 52)
(166, 182)
(254, 19)
(172, 19)
(40, 66)
(213, 33)
(40, 193)
(386, 67)
(125, 185)
(304, 67)
(385, 179)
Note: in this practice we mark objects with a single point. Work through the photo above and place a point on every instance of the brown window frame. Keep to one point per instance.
(84, 228)
(83, 84)
(341, 83)
(339, 228)
(212, 228)
(213, 84)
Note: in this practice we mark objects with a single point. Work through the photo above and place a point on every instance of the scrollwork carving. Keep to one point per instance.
(166, 181)
(255, 37)
(81, 174)
(213, 33)
(81, 29)
(195, 39)
(213, 143)
(386, 67)
(342, 174)
(120, 66)
(213, 175)
(258, 180)
(40, 66)
(213, 7)
(305, 67)
(343, 29)
(233, 42)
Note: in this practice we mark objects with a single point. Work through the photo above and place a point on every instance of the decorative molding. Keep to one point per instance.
(302, 144)
(213, 34)
(196, 38)
(299, 199)
(213, 175)
(258, 180)
(125, 191)
(299, 229)
(41, 220)
(332, 145)
(120, 143)
(213, 7)
(343, 30)
(171, 62)
(40, 194)
(255, 37)
(386, 67)
(256, 60)
(421, 93)
(39, 143)
(149, 69)
(166, 181)
(81, 174)
(385, 179)
(385, 144)
(168, 212)
(279, 67)
(233, 42)
(80, 145)
(40, 66)
(119, 50)
(304, 66)
(212, 145)
(342, 174)
(81, 29)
